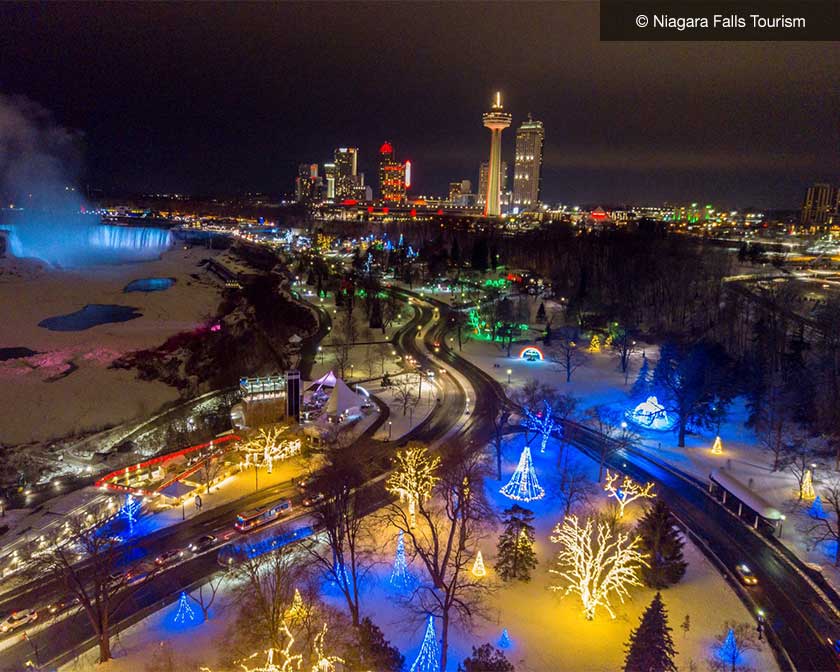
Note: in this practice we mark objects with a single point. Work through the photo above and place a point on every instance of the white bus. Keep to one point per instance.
(249, 520)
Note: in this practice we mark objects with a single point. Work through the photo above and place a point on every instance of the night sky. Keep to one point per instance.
(229, 98)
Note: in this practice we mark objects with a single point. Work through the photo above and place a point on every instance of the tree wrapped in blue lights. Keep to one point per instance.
(816, 509)
(130, 510)
(400, 576)
(541, 422)
(185, 612)
(643, 386)
(428, 660)
(523, 485)
(504, 641)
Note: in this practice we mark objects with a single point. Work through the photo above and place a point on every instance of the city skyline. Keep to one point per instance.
(623, 125)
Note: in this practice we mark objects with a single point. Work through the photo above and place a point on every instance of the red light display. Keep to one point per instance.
(349, 201)
(370, 208)
(386, 148)
(384, 211)
(413, 212)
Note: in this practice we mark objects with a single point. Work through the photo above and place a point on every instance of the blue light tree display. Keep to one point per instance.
(400, 576)
(130, 510)
(185, 612)
(816, 509)
(541, 422)
(504, 641)
(428, 660)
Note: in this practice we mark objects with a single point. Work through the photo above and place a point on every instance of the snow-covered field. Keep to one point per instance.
(549, 632)
(599, 381)
(34, 391)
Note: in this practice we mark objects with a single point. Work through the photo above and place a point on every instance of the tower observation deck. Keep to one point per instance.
(496, 120)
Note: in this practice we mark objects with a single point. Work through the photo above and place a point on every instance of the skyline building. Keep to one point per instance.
(821, 201)
(329, 177)
(346, 172)
(307, 183)
(527, 170)
(496, 120)
(393, 176)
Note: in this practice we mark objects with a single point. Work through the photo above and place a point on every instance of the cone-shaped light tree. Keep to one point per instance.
(523, 485)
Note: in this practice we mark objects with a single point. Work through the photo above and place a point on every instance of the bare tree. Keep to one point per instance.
(87, 567)
(207, 594)
(772, 424)
(798, 458)
(212, 464)
(340, 514)
(826, 527)
(264, 586)
(574, 487)
(342, 349)
(449, 527)
(614, 434)
(500, 423)
(405, 391)
(567, 356)
(624, 346)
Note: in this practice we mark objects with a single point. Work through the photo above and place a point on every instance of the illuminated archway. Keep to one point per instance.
(531, 353)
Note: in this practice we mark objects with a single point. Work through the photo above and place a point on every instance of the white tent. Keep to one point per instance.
(327, 380)
(342, 399)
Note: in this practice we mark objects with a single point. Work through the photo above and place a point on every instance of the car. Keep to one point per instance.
(168, 557)
(313, 498)
(118, 577)
(746, 575)
(17, 619)
(306, 481)
(63, 604)
(202, 543)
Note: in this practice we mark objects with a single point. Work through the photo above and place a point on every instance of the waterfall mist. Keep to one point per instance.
(39, 161)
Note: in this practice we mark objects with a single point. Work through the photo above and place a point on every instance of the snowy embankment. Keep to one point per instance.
(36, 391)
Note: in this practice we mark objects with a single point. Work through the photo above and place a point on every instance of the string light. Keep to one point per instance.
(267, 446)
(130, 510)
(400, 576)
(523, 485)
(478, 566)
(627, 492)
(414, 478)
(185, 612)
(428, 660)
(595, 567)
(298, 611)
(542, 423)
(807, 489)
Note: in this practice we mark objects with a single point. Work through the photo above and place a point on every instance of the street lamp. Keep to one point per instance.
(351, 372)
(390, 424)
(321, 353)
(509, 372)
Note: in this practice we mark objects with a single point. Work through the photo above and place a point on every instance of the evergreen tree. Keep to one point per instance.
(479, 255)
(455, 253)
(373, 651)
(541, 312)
(376, 315)
(663, 546)
(515, 552)
(650, 648)
(485, 658)
(642, 387)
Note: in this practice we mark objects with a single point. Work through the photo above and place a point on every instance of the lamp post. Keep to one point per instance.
(256, 478)
(390, 425)
(509, 372)
(321, 353)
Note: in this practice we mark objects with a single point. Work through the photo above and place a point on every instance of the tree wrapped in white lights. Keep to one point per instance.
(541, 422)
(413, 477)
(596, 566)
(267, 446)
(523, 485)
(627, 492)
(287, 662)
(323, 662)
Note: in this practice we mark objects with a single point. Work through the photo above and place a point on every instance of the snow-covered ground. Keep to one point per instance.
(549, 632)
(74, 365)
(599, 381)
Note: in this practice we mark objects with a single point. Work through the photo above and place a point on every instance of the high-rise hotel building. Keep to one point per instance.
(393, 176)
(527, 171)
(346, 175)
